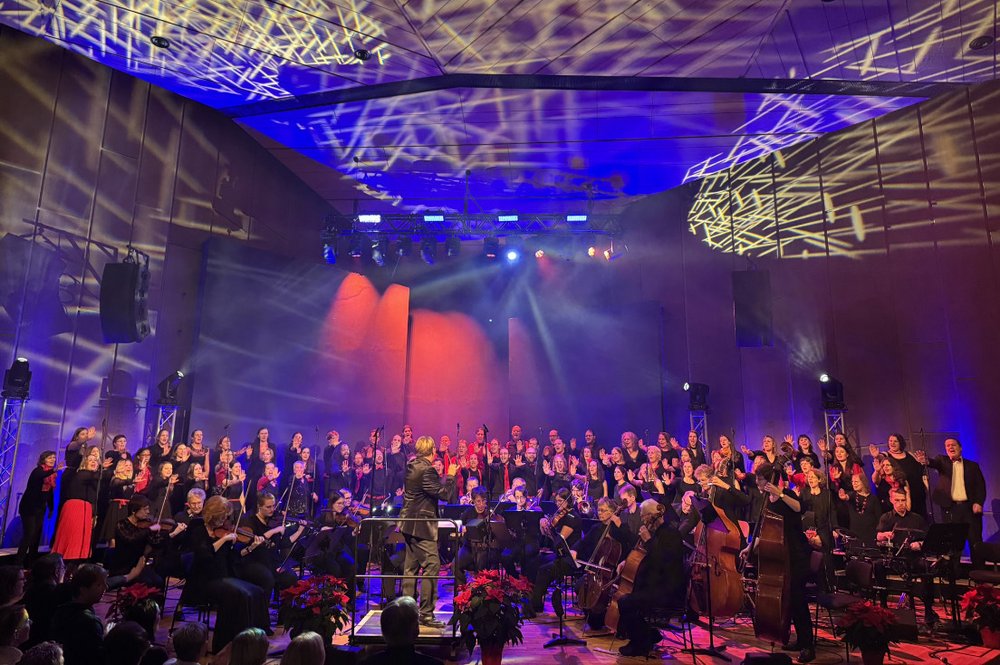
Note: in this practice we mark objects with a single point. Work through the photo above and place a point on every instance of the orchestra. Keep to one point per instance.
(247, 522)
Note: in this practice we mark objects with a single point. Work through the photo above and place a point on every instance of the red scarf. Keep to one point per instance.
(49, 481)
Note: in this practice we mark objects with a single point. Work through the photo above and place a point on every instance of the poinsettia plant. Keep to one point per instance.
(317, 603)
(981, 605)
(488, 609)
(865, 626)
(130, 596)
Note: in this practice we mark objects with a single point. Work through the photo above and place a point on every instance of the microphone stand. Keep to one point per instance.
(489, 465)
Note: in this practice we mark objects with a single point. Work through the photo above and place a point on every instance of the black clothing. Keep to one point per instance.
(633, 463)
(914, 472)
(731, 501)
(421, 492)
(892, 520)
(80, 632)
(35, 503)
(531, 472)
(864, 512)
(401, 656)
(660, 581)
(41, 601)
(83, 486)
(799, 555)
(975, 490)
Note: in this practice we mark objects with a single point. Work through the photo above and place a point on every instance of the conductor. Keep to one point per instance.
(421, 491)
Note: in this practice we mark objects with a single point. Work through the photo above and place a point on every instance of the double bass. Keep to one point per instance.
(772, 615)
(716, 584)
(626, 582)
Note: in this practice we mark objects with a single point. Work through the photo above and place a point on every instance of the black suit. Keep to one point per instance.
(422, 490)
(975, 491)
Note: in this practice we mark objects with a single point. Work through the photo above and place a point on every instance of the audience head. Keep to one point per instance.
(305, 649)
(249, 647)
(400, 622)
(89, 583)
(216, 511)
(125, 644)
(48, 568)
(11, 585)
(146, 613)
(190, 641)
(43, 653)
(14, 625)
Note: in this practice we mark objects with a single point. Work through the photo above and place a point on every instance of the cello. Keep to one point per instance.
(716, 584)
(595, 584)
(626, 582)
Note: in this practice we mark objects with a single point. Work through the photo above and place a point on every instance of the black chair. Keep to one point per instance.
(858, 577)
(987, 554)
(660, 618)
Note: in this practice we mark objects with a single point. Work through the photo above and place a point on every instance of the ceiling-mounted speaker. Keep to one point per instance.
(124, 314)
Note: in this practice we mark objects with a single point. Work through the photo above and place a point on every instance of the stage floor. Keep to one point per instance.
(737, 637)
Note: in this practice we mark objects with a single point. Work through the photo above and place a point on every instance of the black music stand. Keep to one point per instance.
(947, 541)
(710, 518)
(563, 548)
(520, 523)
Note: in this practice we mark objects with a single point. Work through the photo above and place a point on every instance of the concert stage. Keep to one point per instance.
(737, 636)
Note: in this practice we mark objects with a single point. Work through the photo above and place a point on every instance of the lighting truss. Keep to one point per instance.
(472, 226)
(10, 435)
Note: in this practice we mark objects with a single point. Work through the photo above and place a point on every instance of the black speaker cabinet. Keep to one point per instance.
(752, 308)
(124, 317)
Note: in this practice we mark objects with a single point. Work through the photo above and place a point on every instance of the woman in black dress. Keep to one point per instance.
(864, 509)
(914, 471)
(37, 500)
(121, 488)
(240, 604)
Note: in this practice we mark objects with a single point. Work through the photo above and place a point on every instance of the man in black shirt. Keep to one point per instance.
(660, 580)
(905, 531)
(74, 625)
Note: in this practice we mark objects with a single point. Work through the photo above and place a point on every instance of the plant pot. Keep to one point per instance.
(991, 638)
(492, 654)
(873, 656)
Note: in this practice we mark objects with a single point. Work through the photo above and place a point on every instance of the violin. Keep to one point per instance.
(358, 508)
(165, 524)
(244, 534)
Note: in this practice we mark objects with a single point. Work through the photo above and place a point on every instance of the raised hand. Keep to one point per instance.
(821, 444)
(674, 444)
(452, 469)
(842, 494)
(788, 439)
(744, 449)
(873, 451)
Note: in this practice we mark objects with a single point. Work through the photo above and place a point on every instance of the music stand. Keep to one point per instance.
(520, 523)
(710, 518)
(947, 541)
(561, 547)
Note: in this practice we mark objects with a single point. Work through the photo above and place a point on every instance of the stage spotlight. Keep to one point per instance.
(697, 396)
(452, 246)
(17, 380)
(824, 377)
(687, 386)
(404, 246)
(168, 389)
(513, 255)
(330, 252)
(831, 393)
(591, 251)
(576, 219)
(539, 253)
(363, 54)
(491, 247)
(428, 250)
(357, 246)
(507, 218)
(159, 42)
(380, 249)
(370, 219)
(433, 218)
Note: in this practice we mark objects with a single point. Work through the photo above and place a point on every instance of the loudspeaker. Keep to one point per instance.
(124, 317)
(767, 659)
(752, 307)
(905, 628)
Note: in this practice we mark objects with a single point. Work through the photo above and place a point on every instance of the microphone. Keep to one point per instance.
(486, 430)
